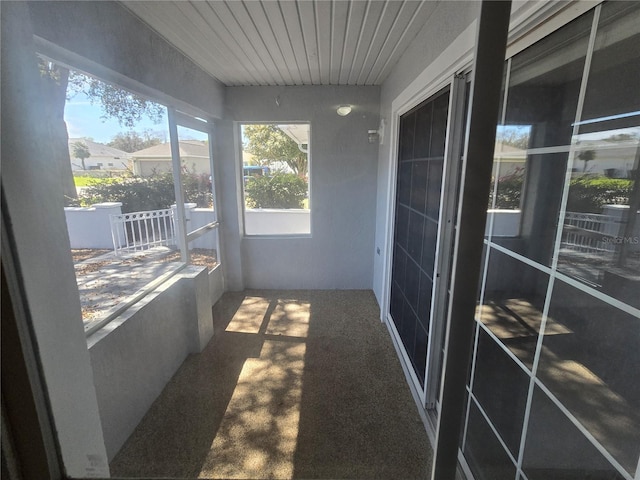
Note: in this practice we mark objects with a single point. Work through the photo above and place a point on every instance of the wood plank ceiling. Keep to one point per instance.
(289, 42)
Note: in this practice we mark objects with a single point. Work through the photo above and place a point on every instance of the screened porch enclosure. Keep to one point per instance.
(320, 351)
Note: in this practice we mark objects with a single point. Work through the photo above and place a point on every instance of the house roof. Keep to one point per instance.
(97, 149)
(298, 132)
(269, 42)
(188, 148)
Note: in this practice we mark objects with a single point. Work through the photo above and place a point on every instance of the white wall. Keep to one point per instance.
(338, 254)
(90, 227)
(446, 23)
(269, 221)
(506, 223)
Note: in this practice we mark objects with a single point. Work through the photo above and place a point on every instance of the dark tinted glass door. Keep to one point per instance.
(419, 183)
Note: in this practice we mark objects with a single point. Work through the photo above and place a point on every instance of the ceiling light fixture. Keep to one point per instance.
(344, 110)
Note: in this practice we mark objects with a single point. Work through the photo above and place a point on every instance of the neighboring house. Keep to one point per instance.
(614, 158)
(299, 133)
(511, 158)
(102, 156)
(194, 156)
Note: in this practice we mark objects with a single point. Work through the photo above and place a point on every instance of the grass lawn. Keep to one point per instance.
(88, 181)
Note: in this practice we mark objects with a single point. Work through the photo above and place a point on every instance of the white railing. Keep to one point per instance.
(589, 232)
(142, 230)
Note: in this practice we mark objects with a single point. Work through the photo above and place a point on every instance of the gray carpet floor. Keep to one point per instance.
(295, 384)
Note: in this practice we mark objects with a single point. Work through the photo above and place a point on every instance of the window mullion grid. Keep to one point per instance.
(485, 267)
(472, 398)
(583, 430)
(558, 239)
(470, 387)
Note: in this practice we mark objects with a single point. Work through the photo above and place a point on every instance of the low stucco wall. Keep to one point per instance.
(90, 227)
(506, 223)
(135, 355)
(267, 221)
(617, 229)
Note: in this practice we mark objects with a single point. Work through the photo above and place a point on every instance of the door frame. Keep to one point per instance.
(451, 63)
(446, 229)
(454, 149)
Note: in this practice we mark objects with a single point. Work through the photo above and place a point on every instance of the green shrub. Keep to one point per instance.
(587, 194)
(197, 189)
(590, 193)
(149, 193)
(283, 190)
(509, 191)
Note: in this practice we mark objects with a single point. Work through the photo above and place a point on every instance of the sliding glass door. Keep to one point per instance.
(421, 161)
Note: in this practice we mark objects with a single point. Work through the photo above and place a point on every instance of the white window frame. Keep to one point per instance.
(241, 193)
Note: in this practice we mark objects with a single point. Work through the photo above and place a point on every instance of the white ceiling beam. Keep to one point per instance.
(323, 32)
(230, 23)
(341, 13)
(289, 42)
(395, 33)
(352, 37)
(266, 54)
(292, 21)
(420, 18)
(267, 34)
(371, 18)
(386, 20)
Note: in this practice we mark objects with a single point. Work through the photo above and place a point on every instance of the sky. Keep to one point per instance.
(84, 120)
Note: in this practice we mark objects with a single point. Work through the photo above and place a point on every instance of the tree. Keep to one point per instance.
(60, 84)
(81, 152)
(586, 156)
(517, 137)
(115, 102)
(54, 80)
(132, 141)
(268, 143)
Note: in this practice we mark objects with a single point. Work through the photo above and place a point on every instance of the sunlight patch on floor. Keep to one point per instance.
(249, 316)
(290, 318)
(516, 318)
(258, 434)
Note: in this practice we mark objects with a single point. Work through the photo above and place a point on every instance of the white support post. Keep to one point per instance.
(177, 181)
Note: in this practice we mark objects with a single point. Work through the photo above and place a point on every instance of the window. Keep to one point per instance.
(201, 216)
(276, 179)
(127, 226)
(554, 387)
